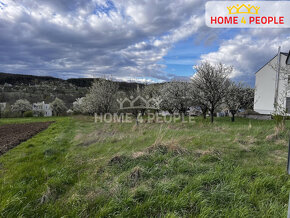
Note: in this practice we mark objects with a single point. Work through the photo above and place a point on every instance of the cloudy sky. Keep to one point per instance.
(143, 40)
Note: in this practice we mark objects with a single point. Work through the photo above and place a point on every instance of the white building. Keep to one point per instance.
(271, 87)
(2, 106)
(43, 108)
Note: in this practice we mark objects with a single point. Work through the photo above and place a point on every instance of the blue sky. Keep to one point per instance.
(129, 40)
(186, 53)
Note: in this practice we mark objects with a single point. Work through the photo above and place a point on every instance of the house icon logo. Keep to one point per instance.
(243, 9)
(139, 103)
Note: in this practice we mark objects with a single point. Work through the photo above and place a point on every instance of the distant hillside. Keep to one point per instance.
(46, 88)
(15, 79)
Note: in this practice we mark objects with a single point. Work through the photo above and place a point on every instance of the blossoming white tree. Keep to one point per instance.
(78, 105)
(101, 97)
(21, 106)
(175, 97)
(238, 97)
(58, 107)
(211, 84)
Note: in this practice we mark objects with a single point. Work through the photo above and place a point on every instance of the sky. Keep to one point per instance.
(127, 40)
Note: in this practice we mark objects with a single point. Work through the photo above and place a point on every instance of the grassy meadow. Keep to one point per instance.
(78, 168)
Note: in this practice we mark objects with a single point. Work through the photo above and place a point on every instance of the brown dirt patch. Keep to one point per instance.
(12, 135)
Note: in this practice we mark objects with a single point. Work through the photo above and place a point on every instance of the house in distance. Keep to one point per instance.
(42, 109)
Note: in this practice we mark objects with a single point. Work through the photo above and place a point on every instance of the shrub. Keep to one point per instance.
(28, 114)
(10, 114)
(38, 113)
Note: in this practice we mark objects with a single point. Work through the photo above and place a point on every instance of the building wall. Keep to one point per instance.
(2, 106)
(44, 108)
(48, 111)
(265, 87)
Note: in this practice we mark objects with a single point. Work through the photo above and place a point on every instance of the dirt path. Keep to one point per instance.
(12, 135)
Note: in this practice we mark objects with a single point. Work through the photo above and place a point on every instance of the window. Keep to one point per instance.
(288, 104)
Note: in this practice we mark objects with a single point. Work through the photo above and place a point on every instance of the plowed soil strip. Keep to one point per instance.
(12, 135)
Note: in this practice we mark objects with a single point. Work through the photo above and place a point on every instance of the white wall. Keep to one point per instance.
(283, 83)
(48, 111)
(44, 108)
(265, 87)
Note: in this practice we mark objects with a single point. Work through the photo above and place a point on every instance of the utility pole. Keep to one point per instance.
(288, 163)
(288, 171)
(277, 78)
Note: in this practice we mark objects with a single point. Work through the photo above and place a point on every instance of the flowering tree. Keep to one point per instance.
(238, 97)
(21, 106)
(211, 83)
(1, 109)
(198, 100)
(58, 107)
(78, 105)
(152, 90)
(175, 96)
(101, 97)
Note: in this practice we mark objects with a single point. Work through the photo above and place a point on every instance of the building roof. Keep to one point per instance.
(282, 53)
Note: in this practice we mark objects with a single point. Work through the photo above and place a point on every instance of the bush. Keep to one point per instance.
(28, 114)
(38, 114)
(278, 118)
(9, 114)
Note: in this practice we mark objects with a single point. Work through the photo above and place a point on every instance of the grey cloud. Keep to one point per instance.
(82, 38)
(250, 50)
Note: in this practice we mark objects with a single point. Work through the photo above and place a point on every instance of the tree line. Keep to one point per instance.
(23, 108)
(209, 90)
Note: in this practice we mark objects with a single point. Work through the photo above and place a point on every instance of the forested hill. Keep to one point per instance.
(16, 79)
(46, 88)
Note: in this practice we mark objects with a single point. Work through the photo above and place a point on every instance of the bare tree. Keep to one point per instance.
(58, 107)
(101, 96)
(211, 84)
(175, 96)
(21, 106)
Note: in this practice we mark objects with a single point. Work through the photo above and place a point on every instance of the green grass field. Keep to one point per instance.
(77, 168)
